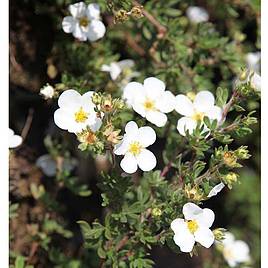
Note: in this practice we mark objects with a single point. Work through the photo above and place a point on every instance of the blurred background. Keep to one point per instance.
(44, 208)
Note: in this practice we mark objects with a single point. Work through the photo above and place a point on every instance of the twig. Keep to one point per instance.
(160, 28)
(134, 45)
(27, 124)
(122, 243)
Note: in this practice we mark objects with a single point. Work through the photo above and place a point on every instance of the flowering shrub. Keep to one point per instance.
(161, 98)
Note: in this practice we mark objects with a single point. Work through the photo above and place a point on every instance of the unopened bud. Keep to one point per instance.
(229, 159)
(136, 12)
(156, 212)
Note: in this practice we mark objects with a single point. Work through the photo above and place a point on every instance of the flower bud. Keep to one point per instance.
(230, 179)
(48, 92)
(242, 152)
(96, 98)
(230, 159)
(219, 233)
(121, 15)
(193, 193)
(156, 212)
(136, 12)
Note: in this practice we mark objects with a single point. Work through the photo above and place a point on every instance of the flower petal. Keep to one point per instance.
(146, 160)
(204, 236)
(183, 105)
(131, 90)
(157, 118)
(241, 251)
(203, 101)
(14, 141)
(115, 70)
(214, 112)
(96, 126)
(146, 136)
(228, 239)
(206, 218)
(178, 226)
(68, 24)
(129, 163)
(47, 164)
(186, 123)
(131, 128)
(96, 30)
(216, 189)
(79, 33)
(166, 103)
(69, 98)
(154, 87)
(185, 240)
(78, 10)
(191, 210)
(93, 11)
(63, 118)
(126, 64)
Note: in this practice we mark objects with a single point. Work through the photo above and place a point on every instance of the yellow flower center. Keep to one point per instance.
(84, 21)
(191, 95)
(192, 226)
(198, 116)
(81, 116)
(135, 148)
(149, 104)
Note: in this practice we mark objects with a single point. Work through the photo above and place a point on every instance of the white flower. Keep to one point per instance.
(85, 22)
(216, 189)
(116, 68)
(194, 111)
(255, 81)
(133, 147)
(197, 14)
(76, 112)
(150, 100)
(49, 165)
(194, 228)
(47, 92)
(235, 251)
(253, 61)
(13, 140)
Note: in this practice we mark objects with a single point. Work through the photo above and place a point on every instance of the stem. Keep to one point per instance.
(27, 124)
(160, 28)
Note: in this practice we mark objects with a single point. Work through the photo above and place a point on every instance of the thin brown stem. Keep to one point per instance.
(27, 124)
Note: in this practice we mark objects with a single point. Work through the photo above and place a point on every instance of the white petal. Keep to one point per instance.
(191, 210)
(47, 164)
(146, 160)
(255, 82)
(10, 132)
(129, 163)
(69, 98)
(96, 30)
(228, 239)
(253, 60)
(79, 33)
(206, 218)
(241, 251)
(86, 99)
(214, 112)
(138, 106)
(157, 118)
(131, 128)
(125, 64)
(185, 241)
(122, 147)
(14, 141)
(105, 68)
(216, 189)
(178, 226)
(131, 90)
(78, 10)
(197, 14)
(115, 70)
(186, 123)
(204, 236)
(146, 136)
(68, 24)
(183, 105)
(93, 11)
(154, 87)
(63, 118)
(96, 126)
(166, 102)
(203, 101)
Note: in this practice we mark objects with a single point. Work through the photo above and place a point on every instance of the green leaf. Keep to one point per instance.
(19, 262)
(221, 96)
